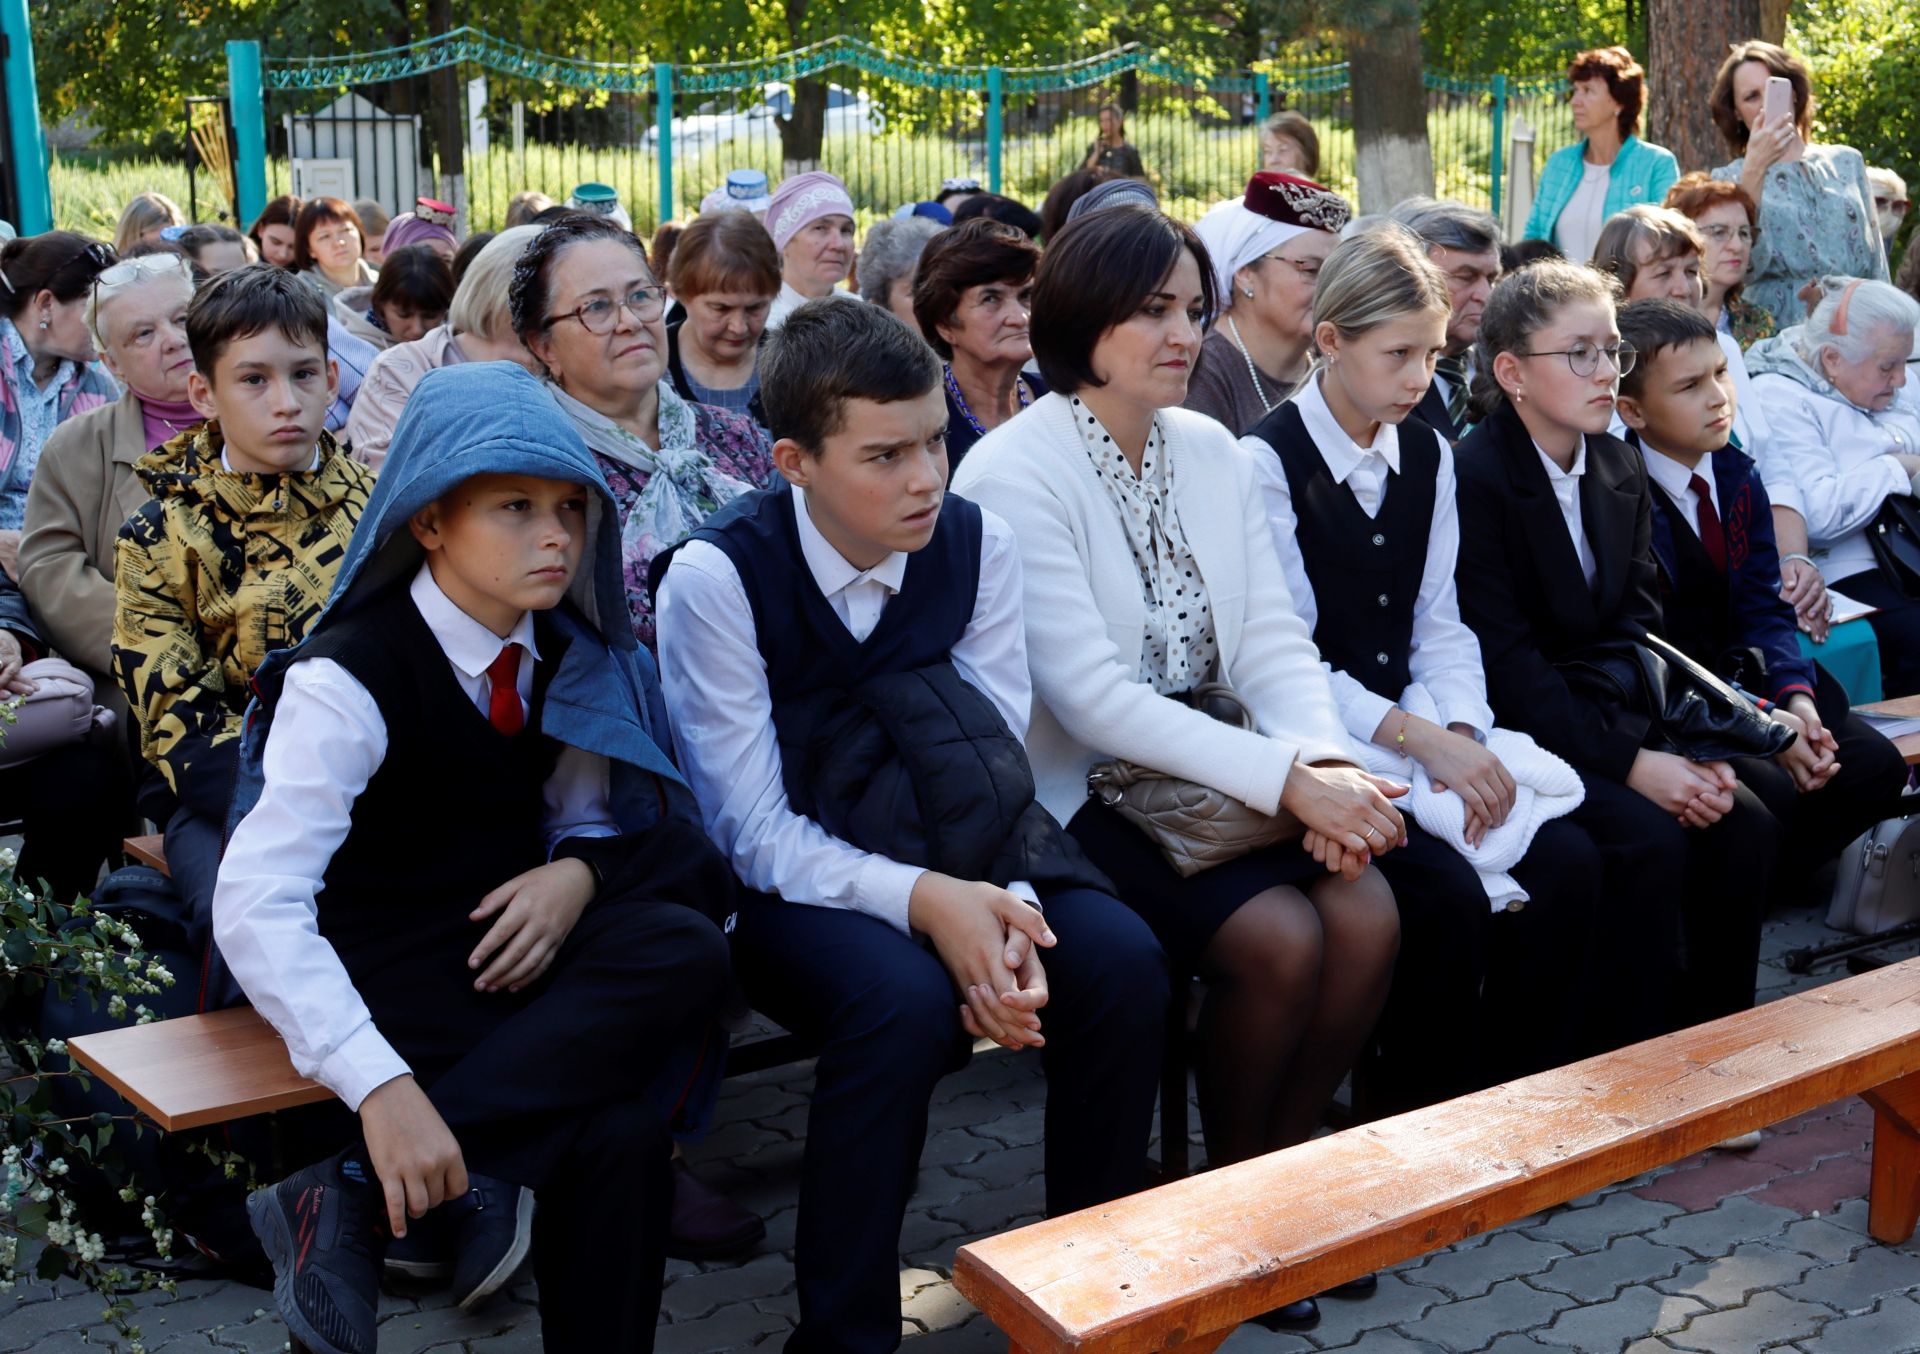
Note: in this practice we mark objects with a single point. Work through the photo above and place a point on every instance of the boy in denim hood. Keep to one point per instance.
(465, 881)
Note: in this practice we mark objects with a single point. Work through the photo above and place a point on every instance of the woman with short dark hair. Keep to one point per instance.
(1816, 206)
(410, 296)
(725, 273)
(327, 242)
(973, 298)
(1149, 571)
(1610, 168)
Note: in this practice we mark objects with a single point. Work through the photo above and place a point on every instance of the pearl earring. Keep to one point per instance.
(45, 323)
(1247, 292)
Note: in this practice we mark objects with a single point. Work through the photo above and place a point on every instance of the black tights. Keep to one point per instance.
(1296, 978)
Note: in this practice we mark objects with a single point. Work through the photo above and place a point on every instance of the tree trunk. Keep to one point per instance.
(1773, 21)
(450, 119)
(804, 129)
(1687, 41)
(1394, 159)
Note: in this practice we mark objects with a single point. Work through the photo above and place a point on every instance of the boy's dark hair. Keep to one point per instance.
(244, 301)
(1652, 327)
(999, 208)
(1097, 275)
(831, 351)
(1523, 253)
(414, 277)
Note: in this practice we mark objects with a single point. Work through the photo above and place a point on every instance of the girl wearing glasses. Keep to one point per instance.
(327, 240)
(48, 366)
(1267, 249)
(1556, 557)
(590, 311)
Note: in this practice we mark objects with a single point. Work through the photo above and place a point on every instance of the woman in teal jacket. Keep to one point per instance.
(1609, 169)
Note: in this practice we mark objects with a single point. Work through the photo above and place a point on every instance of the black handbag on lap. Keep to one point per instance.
(1895, 537)
(1692, 711)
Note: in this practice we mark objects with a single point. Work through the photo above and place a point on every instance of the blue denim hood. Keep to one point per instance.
(495, 418)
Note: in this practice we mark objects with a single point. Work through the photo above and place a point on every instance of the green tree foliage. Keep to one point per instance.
(1866, 79)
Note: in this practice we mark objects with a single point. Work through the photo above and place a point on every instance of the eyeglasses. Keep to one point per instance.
(1583, 359)
(1308, 269)
(96, 257)
(1721, 234)
(598, 316)
(147, 265)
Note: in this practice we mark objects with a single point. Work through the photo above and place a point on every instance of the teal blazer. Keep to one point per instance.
(1639, 173)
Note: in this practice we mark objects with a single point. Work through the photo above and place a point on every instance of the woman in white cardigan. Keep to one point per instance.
(1149, 570)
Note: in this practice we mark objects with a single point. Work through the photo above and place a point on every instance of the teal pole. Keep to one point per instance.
(994, 103)
(1262, 95)
(1499, 159)
(246, 95)
(27, 144)
(663, 127)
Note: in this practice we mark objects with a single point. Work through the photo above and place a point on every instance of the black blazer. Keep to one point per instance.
(1432, 411)
(1522, 591)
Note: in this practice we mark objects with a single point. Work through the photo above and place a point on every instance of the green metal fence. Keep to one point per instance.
(666, 133)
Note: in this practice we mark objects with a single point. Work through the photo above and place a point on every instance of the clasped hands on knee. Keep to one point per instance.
(1348, 813)
(989, 940)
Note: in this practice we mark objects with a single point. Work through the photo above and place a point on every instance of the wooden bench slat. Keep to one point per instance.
(148, 850)
(1182, 1262)
(197, 1070)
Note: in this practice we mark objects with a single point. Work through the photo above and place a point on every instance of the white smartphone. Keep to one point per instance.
(1777, 103)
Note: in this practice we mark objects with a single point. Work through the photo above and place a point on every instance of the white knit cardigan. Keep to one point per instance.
(1086, 618)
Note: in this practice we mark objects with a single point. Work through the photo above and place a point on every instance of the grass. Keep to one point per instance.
(1195, 165)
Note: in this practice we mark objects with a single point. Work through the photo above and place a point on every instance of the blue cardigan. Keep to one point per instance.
(1639, 173)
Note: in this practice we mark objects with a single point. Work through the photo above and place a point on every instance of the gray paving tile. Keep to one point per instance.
(1600, 1275)
(1473, 1323)
(1860, 1283)
(1892, 1328)
(1729, 1280)
(1589, 1229)
(1394, 1303)
(1712, 1230)
(1469, 1271)
(1770, 1319)
(1607, 1327)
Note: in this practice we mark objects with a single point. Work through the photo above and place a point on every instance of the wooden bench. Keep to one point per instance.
(1900, 707)
(1179, 1267)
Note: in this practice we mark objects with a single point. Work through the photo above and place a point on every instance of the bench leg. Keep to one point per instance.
(1893, 1206)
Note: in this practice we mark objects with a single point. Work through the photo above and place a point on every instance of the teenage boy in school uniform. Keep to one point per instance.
(466, 883)
(860, 611)
(1720, 599)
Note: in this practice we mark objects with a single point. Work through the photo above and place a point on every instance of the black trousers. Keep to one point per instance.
(1466, 1009)
(887, 1014)
(1814, 827)
(561, 1093)
(75, 804)
(1896, 625)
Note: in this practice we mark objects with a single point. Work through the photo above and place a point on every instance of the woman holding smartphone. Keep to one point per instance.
(1816, 206)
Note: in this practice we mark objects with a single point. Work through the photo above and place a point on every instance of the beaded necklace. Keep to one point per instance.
(1253, 372)
(960, 401)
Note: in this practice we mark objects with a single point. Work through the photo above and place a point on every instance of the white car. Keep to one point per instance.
(848, 111)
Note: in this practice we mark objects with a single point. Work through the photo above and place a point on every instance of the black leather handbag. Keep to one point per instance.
(1895, 537)
(1692, 712)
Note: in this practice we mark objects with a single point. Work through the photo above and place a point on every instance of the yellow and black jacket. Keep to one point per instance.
(214, 572)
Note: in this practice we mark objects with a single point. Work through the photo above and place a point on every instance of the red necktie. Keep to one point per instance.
(1711, 536)
(503, 704)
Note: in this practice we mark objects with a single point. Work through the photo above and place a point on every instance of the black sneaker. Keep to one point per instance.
(492, 1232)
(424, 1256)
(324, 1232)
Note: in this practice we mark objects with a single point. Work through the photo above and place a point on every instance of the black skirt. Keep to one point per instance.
(1183, 913)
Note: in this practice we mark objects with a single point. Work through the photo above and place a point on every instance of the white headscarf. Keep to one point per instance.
(1235, 237)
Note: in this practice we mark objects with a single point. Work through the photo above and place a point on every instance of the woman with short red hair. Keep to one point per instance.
(1610, 168)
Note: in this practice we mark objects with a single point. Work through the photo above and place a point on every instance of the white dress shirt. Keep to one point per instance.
(1566, 492)
(1446, 655)
(1676, 478)
(327, 741)
(715, 682)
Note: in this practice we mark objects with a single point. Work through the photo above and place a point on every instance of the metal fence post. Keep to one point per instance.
(663, 127)
(27, 143)
(994, 128)
(1499, 139)
(247, 95)
(1262, 97)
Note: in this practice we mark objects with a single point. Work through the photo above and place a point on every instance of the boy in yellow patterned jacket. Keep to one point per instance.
(235, 554)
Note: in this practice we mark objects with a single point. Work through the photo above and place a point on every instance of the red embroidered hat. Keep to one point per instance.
(1296, 201)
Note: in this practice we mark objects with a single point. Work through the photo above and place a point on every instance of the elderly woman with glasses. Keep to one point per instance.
(48, 371)
(590, 311)
(1266, 249)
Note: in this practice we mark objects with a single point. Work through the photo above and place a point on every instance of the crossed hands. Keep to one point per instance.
(989, 940)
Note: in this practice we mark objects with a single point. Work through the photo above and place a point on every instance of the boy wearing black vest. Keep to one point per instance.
(1719, 590)
(845, 663)
(466, 884)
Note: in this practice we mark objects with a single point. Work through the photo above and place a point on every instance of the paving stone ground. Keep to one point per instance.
(1717, 1254)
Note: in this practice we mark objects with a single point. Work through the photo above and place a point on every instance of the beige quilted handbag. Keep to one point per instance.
(1195, 826)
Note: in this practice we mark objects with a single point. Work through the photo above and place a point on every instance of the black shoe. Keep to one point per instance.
(707, 1225)
(492, 1232)
(1301, 1315)
(424, 1256)
(323, 1230)
(1363, 1287)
